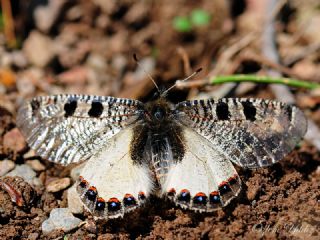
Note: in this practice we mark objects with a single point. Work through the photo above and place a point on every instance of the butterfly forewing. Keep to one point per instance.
(252, 132)
(71, 128)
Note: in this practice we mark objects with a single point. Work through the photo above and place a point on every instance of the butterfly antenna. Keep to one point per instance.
(183, 80)
(150, 77)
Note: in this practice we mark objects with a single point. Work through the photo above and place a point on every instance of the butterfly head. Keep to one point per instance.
(157, 112)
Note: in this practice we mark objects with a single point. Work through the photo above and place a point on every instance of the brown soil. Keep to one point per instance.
(279, 202)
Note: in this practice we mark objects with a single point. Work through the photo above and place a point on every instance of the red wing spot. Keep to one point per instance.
(113, 205)
(172, 190)
(184, 196)
(214, 193)
(100, 199)
(92, 188)
(83, 183)
(214, 197)
(116, 200)
(184, 191)
(129, 200)
(200, 198)
(231, 178)
(200, 194)
(223, 184)
(128, 195)
(100, 204)
(141, 196)
(91, 193)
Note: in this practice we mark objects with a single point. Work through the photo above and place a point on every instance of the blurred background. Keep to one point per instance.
(57, 46)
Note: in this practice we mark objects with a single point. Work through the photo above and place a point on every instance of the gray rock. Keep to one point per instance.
(6, 166)
(27, 173)
(74, 202)
(60, 218)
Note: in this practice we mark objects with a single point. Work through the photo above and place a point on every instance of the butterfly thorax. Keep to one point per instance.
(158, 142)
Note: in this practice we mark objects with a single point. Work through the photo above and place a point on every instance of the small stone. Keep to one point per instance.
(33, 236)
(96, 61)
(6, 166)
(60, 218)
(252, 192)
(27, 173)
(19, 59)
(106, 6)
(39, 49)
(74, 202)
(24, 87)
(58, 184)
(36, 165)
(46, 15)
(13, 140)
(31, 153)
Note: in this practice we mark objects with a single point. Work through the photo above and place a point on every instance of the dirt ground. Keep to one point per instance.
(86, 47)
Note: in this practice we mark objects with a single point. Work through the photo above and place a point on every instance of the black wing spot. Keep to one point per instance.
(249, 110)
(35, 105)
(70, 107)
(96, 109)
(222, 111)
(288, 110)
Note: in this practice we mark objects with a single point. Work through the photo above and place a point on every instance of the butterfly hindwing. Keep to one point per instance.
(252, 132)
(204, 179)
(71, 128)
(111, 182)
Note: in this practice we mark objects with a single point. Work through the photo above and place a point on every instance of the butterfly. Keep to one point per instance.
(183, 151)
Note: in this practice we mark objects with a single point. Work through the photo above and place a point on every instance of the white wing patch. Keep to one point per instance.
(204, 179)
(111, 184)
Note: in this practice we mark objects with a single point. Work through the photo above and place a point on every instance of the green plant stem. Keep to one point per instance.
(263, 79)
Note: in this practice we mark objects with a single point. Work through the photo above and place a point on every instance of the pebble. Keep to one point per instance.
(38, 49)
(31, 153)
(6, 166)
(58, 184)
(106, 6)
(27, 173)
(45, 16)
(14, 140)
(36, 165)
(60, 218)
(15, 58)
(74, 202)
